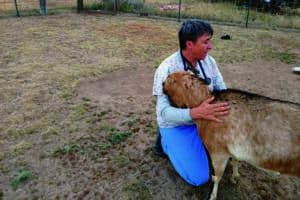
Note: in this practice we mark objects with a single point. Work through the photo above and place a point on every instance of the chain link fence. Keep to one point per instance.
(18, 7)
(257, 13)
(35, 7)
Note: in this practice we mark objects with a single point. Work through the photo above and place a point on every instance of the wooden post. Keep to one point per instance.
(79, 6)
(117, 7)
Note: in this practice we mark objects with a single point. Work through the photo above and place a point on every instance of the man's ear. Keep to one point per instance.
(189, 44)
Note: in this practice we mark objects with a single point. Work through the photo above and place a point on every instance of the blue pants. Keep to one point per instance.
(186, 153)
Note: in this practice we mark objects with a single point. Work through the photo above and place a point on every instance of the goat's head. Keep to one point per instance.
(185, 90)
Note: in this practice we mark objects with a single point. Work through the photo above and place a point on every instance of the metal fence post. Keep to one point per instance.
(43, 9)
(248, 12)
(79, 6)
(117, 7)
(17, 10)
(179, 9)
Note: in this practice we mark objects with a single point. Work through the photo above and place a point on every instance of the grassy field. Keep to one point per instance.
(218, 11)
(53, 144)
(226, 12)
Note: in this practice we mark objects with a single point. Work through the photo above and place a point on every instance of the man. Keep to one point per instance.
(178, 134)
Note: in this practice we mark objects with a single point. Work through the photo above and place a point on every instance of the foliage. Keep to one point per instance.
(117, 137)
(20, 177)
(137, 190)
(285, 57)
(125, 5)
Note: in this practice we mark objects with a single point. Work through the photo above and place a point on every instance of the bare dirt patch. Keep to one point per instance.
(129, 90)
(122, 83)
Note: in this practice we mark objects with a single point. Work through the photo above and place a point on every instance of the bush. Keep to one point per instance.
(125, 5)
(108, 5)
(136, 4)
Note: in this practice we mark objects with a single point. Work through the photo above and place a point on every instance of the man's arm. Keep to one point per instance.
(181, 116)
(210, 111)
(171, 114)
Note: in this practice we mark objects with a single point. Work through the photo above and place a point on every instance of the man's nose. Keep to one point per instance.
(209, 46)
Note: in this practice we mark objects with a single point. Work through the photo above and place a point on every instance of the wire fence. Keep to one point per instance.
(35, 7)
(258, 13)
(11, 7)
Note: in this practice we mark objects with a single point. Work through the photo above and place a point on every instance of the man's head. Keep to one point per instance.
(195, 37)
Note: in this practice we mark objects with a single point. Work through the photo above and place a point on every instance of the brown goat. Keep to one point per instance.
(262, 131)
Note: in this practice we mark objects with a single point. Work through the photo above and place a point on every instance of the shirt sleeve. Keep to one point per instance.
(178, 116)
(165, 111)
(160, 76)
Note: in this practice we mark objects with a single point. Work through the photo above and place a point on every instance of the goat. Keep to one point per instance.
(259, 130)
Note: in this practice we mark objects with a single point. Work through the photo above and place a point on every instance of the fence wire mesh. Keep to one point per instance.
(259, 13)
(33, 7)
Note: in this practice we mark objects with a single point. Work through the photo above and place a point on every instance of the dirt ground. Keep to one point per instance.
(125, 94)
(82, 119)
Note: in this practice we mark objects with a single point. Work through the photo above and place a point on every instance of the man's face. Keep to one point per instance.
(201, 47)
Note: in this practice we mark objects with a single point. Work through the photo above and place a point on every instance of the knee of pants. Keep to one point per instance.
(199, 179)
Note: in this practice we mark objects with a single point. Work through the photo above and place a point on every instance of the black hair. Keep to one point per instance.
(192, 29)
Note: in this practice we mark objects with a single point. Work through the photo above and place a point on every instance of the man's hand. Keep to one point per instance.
(210, 111)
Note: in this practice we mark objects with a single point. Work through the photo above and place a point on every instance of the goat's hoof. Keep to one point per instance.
(213, 197)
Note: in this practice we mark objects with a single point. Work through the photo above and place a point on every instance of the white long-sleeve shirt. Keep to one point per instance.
(167, 115)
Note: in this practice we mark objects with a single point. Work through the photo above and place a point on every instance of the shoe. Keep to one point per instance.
(157, 148)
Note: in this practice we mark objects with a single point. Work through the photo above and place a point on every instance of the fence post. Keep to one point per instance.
(79, 6)
(117, 7)
(17, 10)
(43, 9)
(248, 11)
(179, 9)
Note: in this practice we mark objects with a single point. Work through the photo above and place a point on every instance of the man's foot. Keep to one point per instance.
(157, 148)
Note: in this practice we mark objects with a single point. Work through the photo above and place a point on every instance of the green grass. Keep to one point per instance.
(67, 93)
(285, 57)
(137, 190)
(66, 149)
(91, 150)
(216, 11)
(93, 6)
(78, 112)
(122, 159)
(106, 127)
(113, 137)
(223, 12)
(117, 137)
(21, 177)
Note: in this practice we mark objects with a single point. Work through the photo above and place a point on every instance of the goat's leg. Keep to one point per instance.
(235, 172)
(219, 163)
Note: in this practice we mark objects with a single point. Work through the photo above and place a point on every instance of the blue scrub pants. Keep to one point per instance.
(186, 152)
